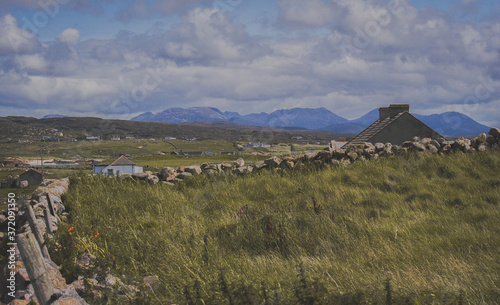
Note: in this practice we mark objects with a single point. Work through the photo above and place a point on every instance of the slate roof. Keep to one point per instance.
(122, 160)
(374, 128)
(32, 170)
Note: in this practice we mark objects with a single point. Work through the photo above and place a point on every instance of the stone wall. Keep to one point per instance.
(24, 288)
(347, 155)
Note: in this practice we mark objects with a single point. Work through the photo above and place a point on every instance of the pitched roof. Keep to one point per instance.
(374, 128)
(32, 170)
(122, 160)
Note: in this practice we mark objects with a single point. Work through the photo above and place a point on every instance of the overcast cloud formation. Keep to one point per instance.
(349, 56)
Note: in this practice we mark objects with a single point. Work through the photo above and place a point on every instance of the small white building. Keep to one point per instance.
(120, 166)
(256, 145)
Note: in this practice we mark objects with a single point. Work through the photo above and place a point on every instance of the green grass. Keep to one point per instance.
(108, 149)
(416, 230)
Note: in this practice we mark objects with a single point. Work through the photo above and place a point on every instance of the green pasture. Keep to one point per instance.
(404, 230)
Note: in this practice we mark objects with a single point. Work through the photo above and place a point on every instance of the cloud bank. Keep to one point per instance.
(347, 56)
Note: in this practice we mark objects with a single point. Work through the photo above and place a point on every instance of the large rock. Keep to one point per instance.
(495, 132)
(338, 154)
(211, 169)
(461, 144)
(184, 175)
(369, 151)
(289, 164)
(239, 163)
(273, 162)
(227, 167)
(352, 156)
(379, 147)
(260, 165)
(243, 170)
(433, 149)
(323, 155)
(153, 179)
(435, 144)
(167, 172)
(141, 176)
(417, 146)
(490, 139)
(194, 169)
(481, 139)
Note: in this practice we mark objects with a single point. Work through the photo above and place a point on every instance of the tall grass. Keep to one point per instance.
(413, 230)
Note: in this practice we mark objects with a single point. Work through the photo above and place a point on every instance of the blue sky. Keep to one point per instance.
(117, 59)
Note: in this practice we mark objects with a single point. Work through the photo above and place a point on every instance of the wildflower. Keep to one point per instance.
(70, 230)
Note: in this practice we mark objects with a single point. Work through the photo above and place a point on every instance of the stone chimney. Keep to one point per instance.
(383, 113)
(393, 110)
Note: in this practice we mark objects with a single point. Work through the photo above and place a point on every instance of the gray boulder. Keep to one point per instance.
(273, 162)
(167, 172)
(260, 165)
(495, 132)
(379, 147)
(352, 156)
(194, 169)
(141, 176)
(153, 179)
(239, 163)
(184, 175)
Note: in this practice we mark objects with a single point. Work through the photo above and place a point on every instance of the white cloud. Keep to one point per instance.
(14, 39)
(69, 36)
(418, 57)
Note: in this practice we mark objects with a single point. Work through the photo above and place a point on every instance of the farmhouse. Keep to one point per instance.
(32, 176)
(122, 165)
(395, 125)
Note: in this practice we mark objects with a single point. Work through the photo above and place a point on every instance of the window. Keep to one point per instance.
(110, 172)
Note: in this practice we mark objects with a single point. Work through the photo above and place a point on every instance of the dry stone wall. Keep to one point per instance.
(347, 155)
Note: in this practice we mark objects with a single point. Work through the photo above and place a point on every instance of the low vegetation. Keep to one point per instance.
(402, 230)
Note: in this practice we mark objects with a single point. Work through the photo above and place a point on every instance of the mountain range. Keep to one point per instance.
(452, 124)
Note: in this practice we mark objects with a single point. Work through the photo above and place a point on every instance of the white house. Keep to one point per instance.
(257, 145)
(122, 165)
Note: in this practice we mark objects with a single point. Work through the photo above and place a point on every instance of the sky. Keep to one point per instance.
(118, 59)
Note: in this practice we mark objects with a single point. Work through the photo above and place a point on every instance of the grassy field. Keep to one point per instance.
(108, 149)
(416, 230)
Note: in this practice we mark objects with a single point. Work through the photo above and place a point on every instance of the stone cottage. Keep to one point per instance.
(395, 125)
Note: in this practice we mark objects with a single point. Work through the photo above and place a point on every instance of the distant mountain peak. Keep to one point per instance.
(447, 124)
